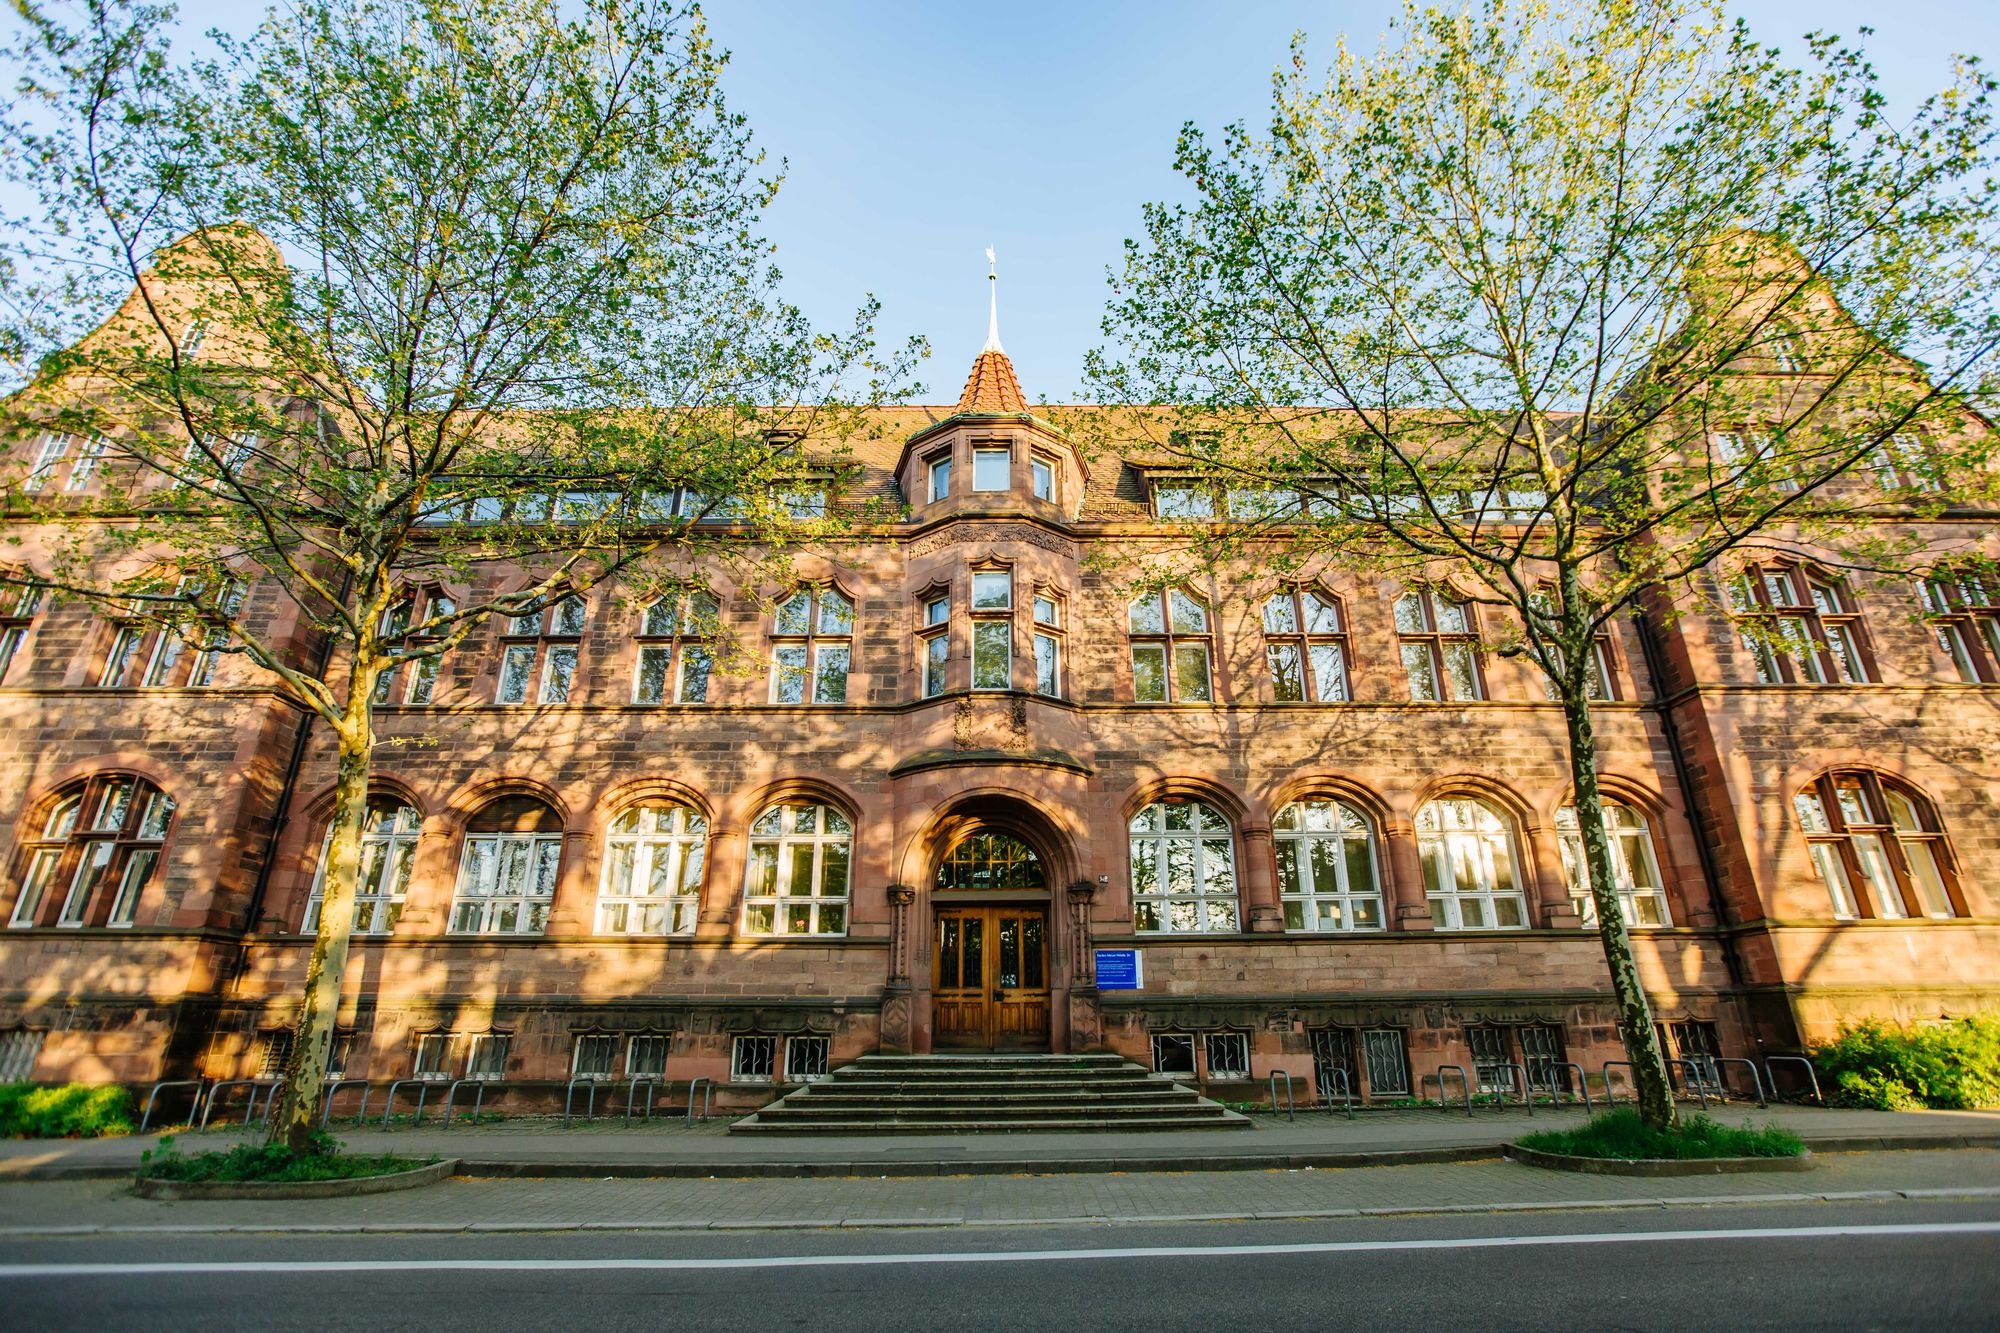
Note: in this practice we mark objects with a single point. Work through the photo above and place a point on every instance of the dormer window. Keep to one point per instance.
(1183, 502)
(1044, 478)
(991, 469)
(940, 474)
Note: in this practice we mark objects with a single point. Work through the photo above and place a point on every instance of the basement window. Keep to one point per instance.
(1173, 1053)
(753, 1059)
(646, 1057)
(488, 1058)
(18, 1051)
(594, 1057)
(806, 1058)
(434, 1057)
(274, 1052)
(1228, 1055)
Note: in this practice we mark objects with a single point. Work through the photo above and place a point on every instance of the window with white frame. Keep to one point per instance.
(753, 1059)
(938, 471)
(19, 604)
(274, 1051)
(88, 455)
(1228, 1055)
(388, 850)
(1878, 847)
(100, 845)
(595, 1056)
(414, 622)
(934, 643)
(992, 630)
(812, 647)
(806, 1058)
(1183, 502)
(1963, 607)
(1903, 463)
(1326, 867)
(50, 449)
(798, 872)
(1440, 646)
(676, 655)
(544, 646)
(1173, 1053)
(992, 469)
(653, 858)
(1470, 873)
(1047, 617)
(1305, 644)
(1171, 649)
(507, 873)
(1784, 347)
(1799, 627)
(1634, 870)
(436, 1056)
(19, 1050)
(1183, 869)
(486, 1056)
(646, 1056)
(172, 644)
(1042, 477)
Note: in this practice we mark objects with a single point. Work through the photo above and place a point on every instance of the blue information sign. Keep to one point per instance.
(1120, 969)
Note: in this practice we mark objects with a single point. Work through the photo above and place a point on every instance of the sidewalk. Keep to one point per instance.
(105, 1207)
(670, 1148)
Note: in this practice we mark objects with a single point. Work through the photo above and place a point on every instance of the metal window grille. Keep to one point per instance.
(1695, 1040)
(1228, 1054)
(1388, 1062)
(18, 1051)
(488, 1057)
(434, 1057)
(340, 1056)
(274, 1054)
(1333, 1051)
(646, 1055)
(1543, 1051)
(806, 1058)
(753, 1059)
(1173, 1053)
(1491, 1051)
(594, 1056)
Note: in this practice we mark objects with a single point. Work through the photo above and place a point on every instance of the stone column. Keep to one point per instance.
(1261, 909)
(1086, 1025)
(1404, 896)
(897, 1009)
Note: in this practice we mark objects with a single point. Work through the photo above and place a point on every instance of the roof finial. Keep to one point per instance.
(993, 308)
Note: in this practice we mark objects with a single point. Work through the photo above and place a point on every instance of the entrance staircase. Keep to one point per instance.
(976, 1094)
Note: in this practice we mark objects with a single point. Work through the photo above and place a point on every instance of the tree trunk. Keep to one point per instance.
(1635, 1015)
(312, 1042)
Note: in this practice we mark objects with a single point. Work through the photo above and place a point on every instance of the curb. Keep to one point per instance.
(846, 1223)
(1027, 1166)
(187, 1190)
(1656, 1166)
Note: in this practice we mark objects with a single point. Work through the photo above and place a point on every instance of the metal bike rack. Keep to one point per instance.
(707, 1097)
(1610, 1097)
(334, 1085)
(478, 1100)
(1811, 1073)
(1582, 1082)
(249, 1107)
(198, 1084)
(423, 1085)
(1346, 1092)
(1291, 1111)
(591, 1081)
(652, 1084)
(1691, 1073)
(1464, 1086)
(1527, 1096)
(1755, 1082)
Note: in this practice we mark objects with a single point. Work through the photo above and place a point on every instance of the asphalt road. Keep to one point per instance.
(1861, 1265)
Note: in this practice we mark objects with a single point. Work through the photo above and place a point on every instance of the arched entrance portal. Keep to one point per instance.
(991, 944)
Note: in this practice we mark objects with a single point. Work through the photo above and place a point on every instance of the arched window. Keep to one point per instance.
(1863, 830)
(100, 843)
(653, 860)
(1440, 646)
(797, 883)
(1467, 849)
(1799, 627)
(1305, 643)
(388, 847)
(675, 656)
(507, 875)
(1786, 347)
(1183, 869)
(992, 861)
(1634, 870)
(812, 647)
(1170, 650)
(413, 621)
(1326, 867)
(171, 644)
(553, 634)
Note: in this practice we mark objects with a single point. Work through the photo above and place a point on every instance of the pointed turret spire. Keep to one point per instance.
(992, 386)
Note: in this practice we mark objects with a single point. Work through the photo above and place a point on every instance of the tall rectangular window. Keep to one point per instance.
(940, 477)
(1440, 647)
(1044, 477)
(811, 651)
(1170, 648)
(1305, 646)
(937, 652)
(1048, 665)
(553, 636)
(992, 654)
(1799, 628)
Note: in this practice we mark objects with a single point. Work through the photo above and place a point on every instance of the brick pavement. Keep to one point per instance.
(546, 1204)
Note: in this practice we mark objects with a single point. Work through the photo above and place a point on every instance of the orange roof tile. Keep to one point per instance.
(992, 387)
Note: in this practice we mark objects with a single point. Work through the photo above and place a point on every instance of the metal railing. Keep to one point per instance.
(1346, 1091)
(199, 1085)
(423, 1085)
(1291, 1111)
(1812, 1074)
(249, 1107)
(1464, 1086)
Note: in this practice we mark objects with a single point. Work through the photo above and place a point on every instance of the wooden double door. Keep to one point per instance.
(990, 979)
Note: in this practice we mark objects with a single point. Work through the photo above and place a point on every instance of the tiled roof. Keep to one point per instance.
(992, 387)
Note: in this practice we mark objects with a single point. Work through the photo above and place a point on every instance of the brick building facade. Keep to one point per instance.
(964, 759)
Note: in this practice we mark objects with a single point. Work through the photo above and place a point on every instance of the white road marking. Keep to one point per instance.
(17, 1272)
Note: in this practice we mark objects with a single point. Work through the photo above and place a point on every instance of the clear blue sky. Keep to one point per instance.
(919, 132)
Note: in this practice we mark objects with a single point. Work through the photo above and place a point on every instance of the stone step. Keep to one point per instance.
(911, 1125)
(808, 1110)
(984, 1097)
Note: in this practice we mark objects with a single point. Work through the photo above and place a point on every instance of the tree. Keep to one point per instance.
(1566, 307)
(421, 294)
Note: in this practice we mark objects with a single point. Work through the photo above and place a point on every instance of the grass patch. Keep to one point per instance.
(1620, 1135)
(324, 1160)
(67, 1111)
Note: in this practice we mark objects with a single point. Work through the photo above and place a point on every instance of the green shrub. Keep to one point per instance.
(67, 1111)
(1622, 1135)
(322, 1160)
(1948, 1066)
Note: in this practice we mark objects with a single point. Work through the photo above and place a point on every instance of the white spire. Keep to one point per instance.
(993, 306)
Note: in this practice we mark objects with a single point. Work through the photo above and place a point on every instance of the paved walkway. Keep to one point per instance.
(670, 1147)
(490, 1205)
